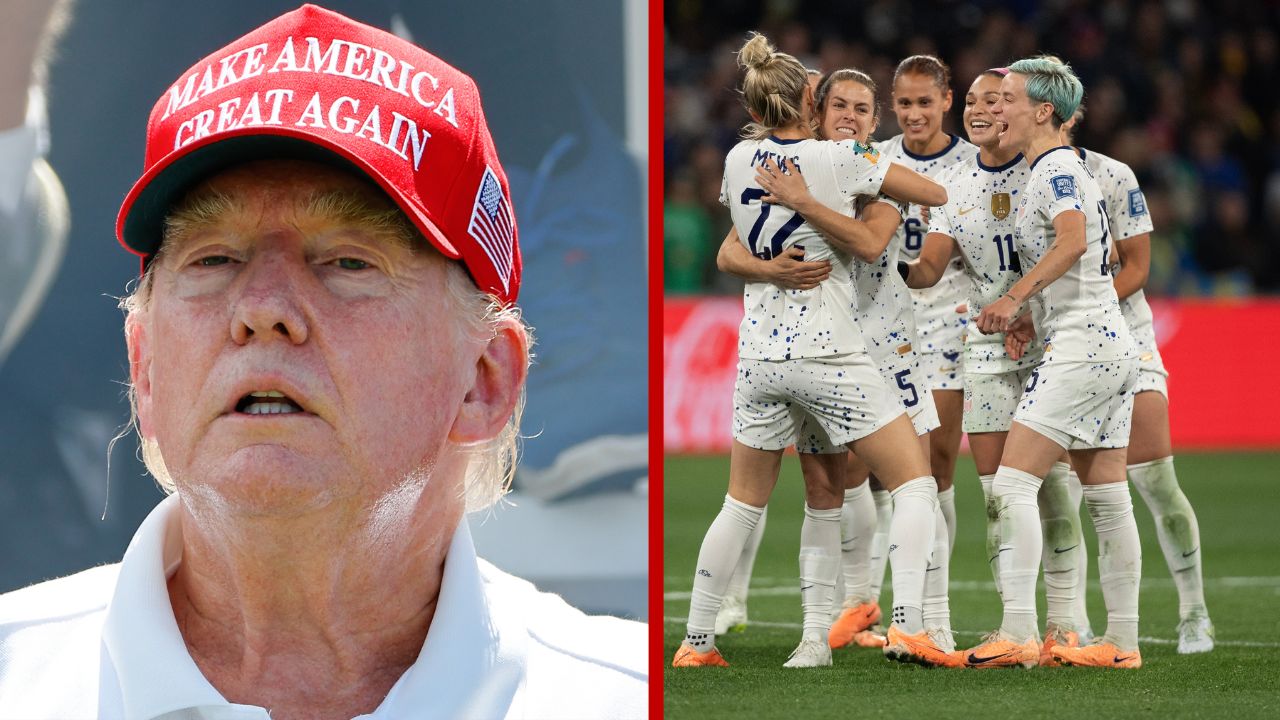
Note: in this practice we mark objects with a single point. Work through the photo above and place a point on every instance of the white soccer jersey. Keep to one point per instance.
(1127, 212)
(789, 324)
(1078, 314)
(887, 318)
(979, 217)
(883, 306)
(938, 327)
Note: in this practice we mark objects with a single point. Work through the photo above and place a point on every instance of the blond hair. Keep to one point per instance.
(773, 87)
(492, 463)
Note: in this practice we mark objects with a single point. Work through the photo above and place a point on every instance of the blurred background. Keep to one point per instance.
(1182, 91)
(568, 111)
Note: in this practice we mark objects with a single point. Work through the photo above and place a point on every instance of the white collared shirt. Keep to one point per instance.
(104, 644)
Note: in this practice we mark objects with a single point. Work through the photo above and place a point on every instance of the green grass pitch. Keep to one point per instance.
(1237, 501)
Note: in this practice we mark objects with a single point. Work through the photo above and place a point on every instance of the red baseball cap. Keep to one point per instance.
(315, 85)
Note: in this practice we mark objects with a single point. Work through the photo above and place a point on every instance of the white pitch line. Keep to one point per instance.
(978, 633)
(773, 589)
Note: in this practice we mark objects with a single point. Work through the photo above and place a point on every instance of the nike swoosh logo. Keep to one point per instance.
(975, 660)
(806, 587)
(965, 212)
(1122, 659)
(1073, 547)
(1189, 554)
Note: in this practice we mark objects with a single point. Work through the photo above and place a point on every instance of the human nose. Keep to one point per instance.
(267, 305)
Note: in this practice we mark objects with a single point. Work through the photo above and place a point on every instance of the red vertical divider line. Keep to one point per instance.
(655, 357)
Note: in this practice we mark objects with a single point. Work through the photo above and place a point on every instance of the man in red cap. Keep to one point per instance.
(327, 370)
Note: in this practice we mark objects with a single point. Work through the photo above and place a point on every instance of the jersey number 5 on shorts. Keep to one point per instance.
(901, 377)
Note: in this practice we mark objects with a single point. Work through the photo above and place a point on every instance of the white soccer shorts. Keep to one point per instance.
(1152, 375)
(901, 372)
(990, 399)
(943, 370)
(1081, 404)
(844, 395)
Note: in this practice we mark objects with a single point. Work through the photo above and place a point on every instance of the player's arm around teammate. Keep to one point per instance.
(788, 270)
(847, 108)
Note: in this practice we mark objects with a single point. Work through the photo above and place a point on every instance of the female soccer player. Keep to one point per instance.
(978, 225)
(801, 354)
(1080, 398)
(1150, 457)
(921, 99)
(847, 109)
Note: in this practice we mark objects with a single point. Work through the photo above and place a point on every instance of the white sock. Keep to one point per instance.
(1060, 525)
(721, 548)
(880, 540)
(911, 532)
(857, 527)
(947, 500)
(993, 528)
(741, 580)
(1119, 559)
(819, 561)
(937, 608)
(1020, 544)
(1082, 559)
(1177, 529)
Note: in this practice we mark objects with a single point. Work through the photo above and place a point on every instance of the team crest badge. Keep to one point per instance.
(1001, 204)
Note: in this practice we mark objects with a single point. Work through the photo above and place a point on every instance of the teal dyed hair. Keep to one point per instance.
(1053, 82)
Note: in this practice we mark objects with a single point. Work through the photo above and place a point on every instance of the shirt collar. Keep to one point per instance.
(471, 665)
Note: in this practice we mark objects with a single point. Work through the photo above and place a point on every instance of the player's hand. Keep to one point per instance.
(962, 309)
(784, 183)
(924, 215)
(791, 271)
(1018, 337)
(996, 317)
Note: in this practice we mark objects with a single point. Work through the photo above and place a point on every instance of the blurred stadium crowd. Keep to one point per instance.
(1184, 92)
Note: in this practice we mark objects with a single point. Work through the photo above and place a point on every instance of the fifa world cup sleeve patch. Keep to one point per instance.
(1063, 186)
(1137, 203)
(871, 154)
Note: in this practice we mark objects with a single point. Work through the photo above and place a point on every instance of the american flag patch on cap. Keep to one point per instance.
(491, 225)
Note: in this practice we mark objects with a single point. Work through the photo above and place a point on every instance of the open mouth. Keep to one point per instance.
(267, 402)
(979, 125)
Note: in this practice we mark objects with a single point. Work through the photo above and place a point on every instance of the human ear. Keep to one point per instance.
(496, 386)
(139, 350)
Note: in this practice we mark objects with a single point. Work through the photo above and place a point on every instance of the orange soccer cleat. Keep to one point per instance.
(1056, 637)
(1099, 654)
(853, 620)
(686, 656)
(919, 648)
(869, 638)
(998, 651)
